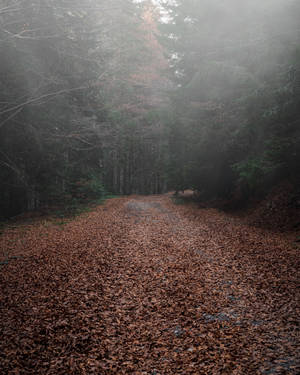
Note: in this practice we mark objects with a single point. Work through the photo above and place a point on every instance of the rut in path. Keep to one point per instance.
(141, 286)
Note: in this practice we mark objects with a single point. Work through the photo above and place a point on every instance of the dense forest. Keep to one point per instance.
(144, 97)
(236, 109)
(187, 114)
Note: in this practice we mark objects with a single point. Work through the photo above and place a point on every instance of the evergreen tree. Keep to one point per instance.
(236, 94)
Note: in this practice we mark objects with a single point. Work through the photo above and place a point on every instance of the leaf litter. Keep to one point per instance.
(144, 286)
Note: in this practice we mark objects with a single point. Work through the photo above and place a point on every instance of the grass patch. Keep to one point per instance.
(59, 215)
(178, 200)
(111, 196)
(75, 208)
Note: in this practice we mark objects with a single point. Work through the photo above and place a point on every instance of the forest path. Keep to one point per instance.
(144, 286)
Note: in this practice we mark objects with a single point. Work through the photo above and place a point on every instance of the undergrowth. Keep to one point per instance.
(61, 214)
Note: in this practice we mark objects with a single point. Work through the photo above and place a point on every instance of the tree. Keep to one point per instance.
(49, 81)
(236, 100)
(74, 102)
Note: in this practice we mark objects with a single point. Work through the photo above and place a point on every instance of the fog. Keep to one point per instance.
(185, 115)
(128, 96)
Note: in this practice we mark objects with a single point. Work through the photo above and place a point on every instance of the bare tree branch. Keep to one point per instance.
(10, 117)
(49, 95)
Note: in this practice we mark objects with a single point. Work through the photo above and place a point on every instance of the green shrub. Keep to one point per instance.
(89, 188)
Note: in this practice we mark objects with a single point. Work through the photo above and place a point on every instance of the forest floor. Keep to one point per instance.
(143, 286)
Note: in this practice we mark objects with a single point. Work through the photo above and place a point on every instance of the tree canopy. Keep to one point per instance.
(141, 97)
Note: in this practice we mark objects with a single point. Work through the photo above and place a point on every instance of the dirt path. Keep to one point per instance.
(142, 286)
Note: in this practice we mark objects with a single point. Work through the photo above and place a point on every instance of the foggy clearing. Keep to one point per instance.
(123, 102)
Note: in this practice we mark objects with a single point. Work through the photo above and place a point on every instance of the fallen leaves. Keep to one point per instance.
(143, 286)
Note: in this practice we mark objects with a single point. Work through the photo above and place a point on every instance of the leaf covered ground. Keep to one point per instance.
(144, 286)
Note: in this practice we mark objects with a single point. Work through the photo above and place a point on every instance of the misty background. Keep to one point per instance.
(126, 97)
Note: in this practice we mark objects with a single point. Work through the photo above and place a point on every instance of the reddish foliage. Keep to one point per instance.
(141, 286)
